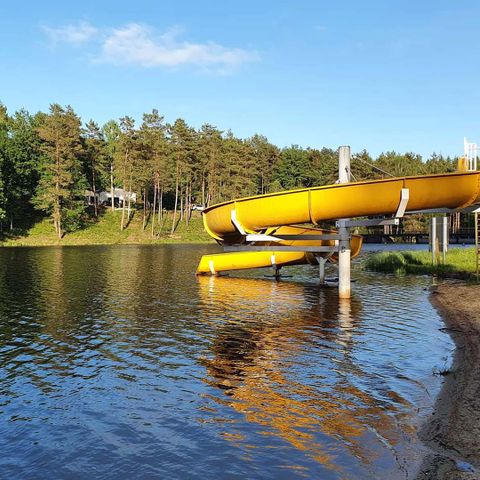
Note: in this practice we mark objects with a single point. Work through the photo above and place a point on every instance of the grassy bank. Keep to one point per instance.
(460, 263)
(106, 230)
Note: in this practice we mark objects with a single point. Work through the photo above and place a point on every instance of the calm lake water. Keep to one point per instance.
(117, 362)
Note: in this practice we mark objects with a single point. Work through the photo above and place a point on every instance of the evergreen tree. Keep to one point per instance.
(155, 151)
(363, 167)
(182, 156)
(111, 133)
(440, 164)
(292, 168)
(3, 161)
(399, 165)
(95, 159)
(23, 155)
(125, 163)
(240, 174)
(266, 157)
(322, 167)
(209, 151)
(60, 191)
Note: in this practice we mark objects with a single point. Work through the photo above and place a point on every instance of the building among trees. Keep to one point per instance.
(104, 198)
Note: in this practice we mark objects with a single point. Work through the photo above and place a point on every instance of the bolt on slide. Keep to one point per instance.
(267, 230)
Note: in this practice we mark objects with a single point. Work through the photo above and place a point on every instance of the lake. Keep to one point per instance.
(117, 362)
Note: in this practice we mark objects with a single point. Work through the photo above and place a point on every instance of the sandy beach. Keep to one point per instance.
(453, 430)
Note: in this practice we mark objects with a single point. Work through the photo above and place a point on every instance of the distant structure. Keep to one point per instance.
(470, 152)
(105, 198)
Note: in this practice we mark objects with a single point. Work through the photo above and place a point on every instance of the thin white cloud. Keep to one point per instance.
(136, 44)
(139, 45)
(75, 34)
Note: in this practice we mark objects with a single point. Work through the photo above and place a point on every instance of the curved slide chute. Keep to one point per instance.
(281, 213)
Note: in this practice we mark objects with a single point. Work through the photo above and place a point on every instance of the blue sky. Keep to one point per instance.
(379, 75)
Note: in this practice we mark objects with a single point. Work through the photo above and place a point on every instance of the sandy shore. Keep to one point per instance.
(453, 431)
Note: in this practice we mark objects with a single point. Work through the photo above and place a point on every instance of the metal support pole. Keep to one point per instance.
(444, 238)
(433, 239)
(276, 273)
(477, 253)
(321, 269)
(344, 243)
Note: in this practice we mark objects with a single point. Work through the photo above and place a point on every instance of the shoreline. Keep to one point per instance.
(453, 430)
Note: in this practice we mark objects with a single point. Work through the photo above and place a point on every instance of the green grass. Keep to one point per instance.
(460, 262)
(106, 231)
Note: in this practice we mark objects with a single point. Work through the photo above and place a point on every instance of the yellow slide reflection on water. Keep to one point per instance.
(312, 205)
(264, 325)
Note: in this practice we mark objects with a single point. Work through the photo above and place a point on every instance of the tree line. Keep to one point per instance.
(48, 160)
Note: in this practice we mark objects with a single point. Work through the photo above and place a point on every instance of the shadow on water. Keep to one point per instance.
(265, 329)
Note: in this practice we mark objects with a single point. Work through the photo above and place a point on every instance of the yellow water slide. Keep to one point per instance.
(282, 214)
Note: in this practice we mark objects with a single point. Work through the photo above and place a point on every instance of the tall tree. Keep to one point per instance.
(209, 151)
(60, 189)
(240, 170)
(292, 168)
(182, 139)
(322, 167)
(3, 161)
(95, 159)
(155, 151)
(400, 165)
(125, 159)
(363, 167)
(111, 133)
(440, 164)
(19, 150)
(24, 153)
(266, 158)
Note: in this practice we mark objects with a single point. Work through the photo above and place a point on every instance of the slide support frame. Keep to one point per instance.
(344, 254)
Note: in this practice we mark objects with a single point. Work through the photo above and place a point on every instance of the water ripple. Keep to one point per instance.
(116, 362)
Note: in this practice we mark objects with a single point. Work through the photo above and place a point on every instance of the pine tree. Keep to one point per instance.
(266, 159)
(155, 151)
(125, 163)
(210, 157)
(111, 133)
(240, 173)
(440, 164)
(399, 165)
(3, 161)
(322, 167)
(362, 166)
(60, 191)
(292, 168)
(95, 159)
(182, 140)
